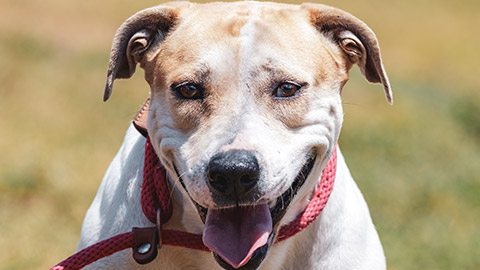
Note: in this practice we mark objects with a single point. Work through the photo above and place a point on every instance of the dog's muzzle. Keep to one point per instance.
(240, 235)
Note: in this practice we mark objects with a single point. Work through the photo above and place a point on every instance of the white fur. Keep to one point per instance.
(342, 237)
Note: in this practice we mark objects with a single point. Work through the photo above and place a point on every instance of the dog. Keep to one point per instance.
(244, 96)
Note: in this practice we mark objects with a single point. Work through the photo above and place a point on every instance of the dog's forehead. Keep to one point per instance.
(236, 37)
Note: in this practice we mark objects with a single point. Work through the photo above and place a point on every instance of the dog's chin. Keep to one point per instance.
(277, 211)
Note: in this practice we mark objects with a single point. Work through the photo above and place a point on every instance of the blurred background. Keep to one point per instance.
(417, 162)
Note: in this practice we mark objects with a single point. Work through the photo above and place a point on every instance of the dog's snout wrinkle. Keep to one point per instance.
(233, 173)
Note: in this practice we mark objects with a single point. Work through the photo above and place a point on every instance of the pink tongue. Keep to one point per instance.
(235, 233)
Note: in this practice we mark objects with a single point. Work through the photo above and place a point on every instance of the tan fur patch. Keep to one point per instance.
(240, 56)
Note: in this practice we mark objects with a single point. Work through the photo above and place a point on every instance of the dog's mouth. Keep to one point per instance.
(240, 236)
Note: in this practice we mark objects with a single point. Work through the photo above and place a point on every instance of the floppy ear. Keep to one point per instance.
(133, 39)
(355, 38)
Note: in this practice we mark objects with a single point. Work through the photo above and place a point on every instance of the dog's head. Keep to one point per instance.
(245, 107)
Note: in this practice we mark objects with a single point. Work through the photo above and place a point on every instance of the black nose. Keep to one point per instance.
(233, 173)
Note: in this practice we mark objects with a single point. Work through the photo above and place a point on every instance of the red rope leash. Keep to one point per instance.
(155, 191)
(317, 203)
(156, 195)
(95, 252)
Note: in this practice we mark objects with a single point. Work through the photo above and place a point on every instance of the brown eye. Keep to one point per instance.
(188, 91)
(286, 89)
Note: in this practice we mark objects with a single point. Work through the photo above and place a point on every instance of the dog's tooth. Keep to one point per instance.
(272, 204)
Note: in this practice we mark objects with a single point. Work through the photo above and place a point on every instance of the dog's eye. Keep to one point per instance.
(286, 89)
(188, 91)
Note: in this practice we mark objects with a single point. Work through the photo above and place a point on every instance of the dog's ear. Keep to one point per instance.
(134, 38)
(355, 38)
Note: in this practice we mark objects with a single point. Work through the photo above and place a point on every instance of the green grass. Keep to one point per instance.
(418, 168)
(416, 162)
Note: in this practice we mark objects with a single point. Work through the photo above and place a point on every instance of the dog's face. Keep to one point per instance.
(245, 107)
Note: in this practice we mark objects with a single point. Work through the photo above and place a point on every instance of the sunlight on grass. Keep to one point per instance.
(416, 162)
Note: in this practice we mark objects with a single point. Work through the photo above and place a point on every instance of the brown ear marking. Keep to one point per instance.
(134, 37)
(355, 38)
